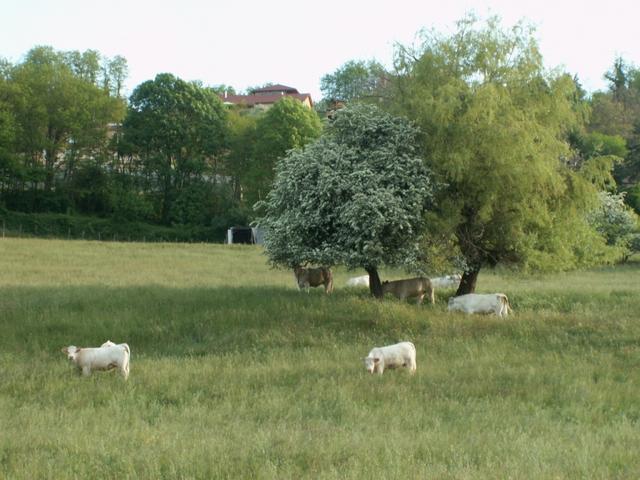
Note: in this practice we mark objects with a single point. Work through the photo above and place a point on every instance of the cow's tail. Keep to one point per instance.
(329, 279)
(506, 308)
(125, 362)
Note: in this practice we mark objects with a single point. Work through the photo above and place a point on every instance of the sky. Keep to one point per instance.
(244, 43)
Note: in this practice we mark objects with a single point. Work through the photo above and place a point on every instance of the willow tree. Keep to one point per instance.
(494, 130)
(354, 197)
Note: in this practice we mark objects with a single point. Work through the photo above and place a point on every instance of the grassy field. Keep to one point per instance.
(235, 374)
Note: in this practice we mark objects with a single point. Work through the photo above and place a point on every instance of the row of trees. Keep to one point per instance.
(511, 170)
(467, 154)
(171, 153)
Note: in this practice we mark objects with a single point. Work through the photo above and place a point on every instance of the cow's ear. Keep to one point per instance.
(64, 350)
(376, 360)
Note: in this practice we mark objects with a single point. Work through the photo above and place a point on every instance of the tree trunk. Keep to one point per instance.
(375, 287)
(468, 282)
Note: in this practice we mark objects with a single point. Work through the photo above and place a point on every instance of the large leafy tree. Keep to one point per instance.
(287, 125)
(494, 126)
(354, 197)
(60, 113)
(179, 130)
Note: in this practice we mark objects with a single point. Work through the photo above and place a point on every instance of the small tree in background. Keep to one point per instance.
(616, 222)
(355, 197)
(286, 125)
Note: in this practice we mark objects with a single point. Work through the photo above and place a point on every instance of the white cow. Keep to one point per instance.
(362, 281)
(108, 343)
(101, 358)
(448, 281)
(497, 303)
(401, 354)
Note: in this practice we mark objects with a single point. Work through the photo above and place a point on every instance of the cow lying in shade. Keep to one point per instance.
(497, 303)
(362, 281)
(448, 281)
(412, 287)
(101, 358)
(392, 356)
(314, 277)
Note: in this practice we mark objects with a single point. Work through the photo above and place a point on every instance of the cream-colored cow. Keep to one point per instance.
(412, 287)
(100, 358)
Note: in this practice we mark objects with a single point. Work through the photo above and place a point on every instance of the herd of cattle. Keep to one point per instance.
(110, 356)
(419, 287)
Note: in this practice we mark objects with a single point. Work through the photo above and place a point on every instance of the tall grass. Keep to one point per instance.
(236, 374)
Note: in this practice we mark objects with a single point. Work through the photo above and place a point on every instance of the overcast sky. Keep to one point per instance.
(295, 42)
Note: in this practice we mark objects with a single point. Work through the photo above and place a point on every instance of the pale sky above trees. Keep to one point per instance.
(251, 42)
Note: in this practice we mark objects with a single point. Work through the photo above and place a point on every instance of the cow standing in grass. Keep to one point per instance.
(412, 287)
(497, 303)
(314, 277)
(401, 354)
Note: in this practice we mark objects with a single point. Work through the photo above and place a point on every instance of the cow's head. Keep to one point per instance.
(370, 363)
(71, 352)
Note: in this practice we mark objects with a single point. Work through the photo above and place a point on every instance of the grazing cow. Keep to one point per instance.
(392, 356)
(101, 358)
(362, 281)
(448, 281)
(412, 287)
(497, 303)
(314, 277)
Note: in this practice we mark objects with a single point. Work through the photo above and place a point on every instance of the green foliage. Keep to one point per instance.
(617, 112)
(57, 107)
(616, 222)
(354, 197)
(287, 125)
(494, 127)
(124, 225)
(632, 197)
(242, 139)
(178, 129)
(355, 80)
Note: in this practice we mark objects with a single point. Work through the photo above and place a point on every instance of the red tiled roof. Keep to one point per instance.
(263, 98)
(275, 88)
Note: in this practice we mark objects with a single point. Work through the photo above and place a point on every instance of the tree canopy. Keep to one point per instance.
(58, 107)
(288, 124)
(354, 80)
(179, 130)
(354, 197)
(494, 129)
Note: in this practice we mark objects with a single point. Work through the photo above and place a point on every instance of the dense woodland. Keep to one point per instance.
(79, 158)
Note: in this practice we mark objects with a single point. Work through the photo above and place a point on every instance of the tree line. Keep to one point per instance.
(170, 155)
(522, 166)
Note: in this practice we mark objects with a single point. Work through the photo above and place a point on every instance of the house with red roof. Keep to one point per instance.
(265, 97)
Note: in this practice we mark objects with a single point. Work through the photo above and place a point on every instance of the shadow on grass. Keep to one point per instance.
(158, 320)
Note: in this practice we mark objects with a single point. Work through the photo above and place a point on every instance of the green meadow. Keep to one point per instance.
(236, 374)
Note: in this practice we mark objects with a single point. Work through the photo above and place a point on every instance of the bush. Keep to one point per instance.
(93, 228)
